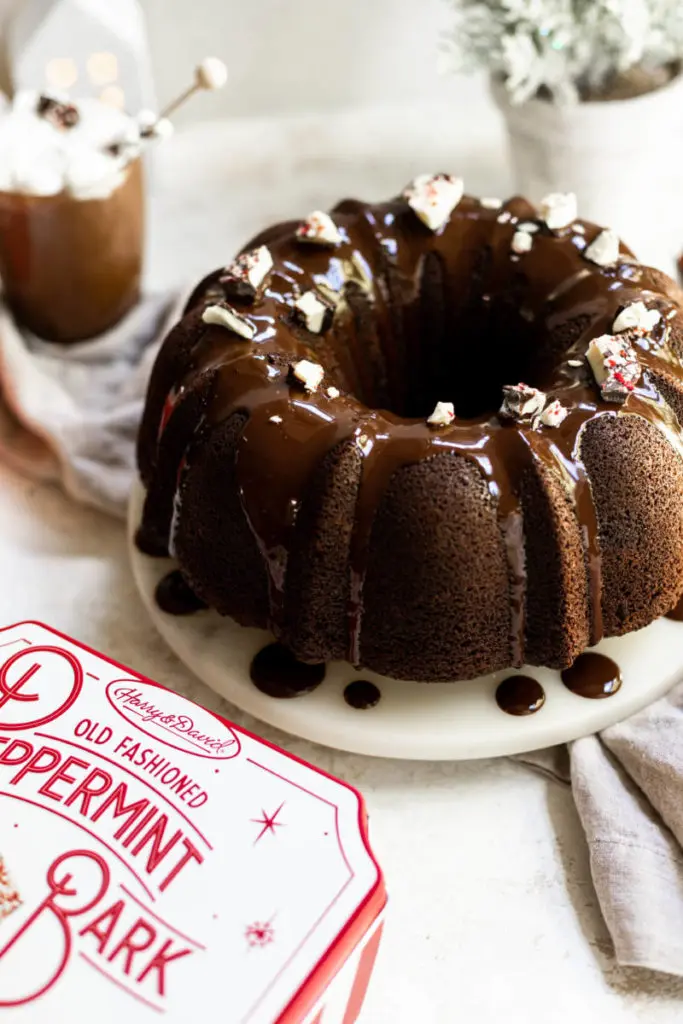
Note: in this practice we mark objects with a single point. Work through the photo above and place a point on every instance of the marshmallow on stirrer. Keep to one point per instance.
(210, 75)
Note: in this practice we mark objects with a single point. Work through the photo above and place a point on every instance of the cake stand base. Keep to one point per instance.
(434, 721)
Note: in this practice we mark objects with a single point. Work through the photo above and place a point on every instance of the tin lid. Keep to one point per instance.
(155, 858)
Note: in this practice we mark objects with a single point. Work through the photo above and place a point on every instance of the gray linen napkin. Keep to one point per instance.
(627, 783)
(70, 413)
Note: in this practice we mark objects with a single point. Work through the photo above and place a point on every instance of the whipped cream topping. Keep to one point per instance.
(49, 145)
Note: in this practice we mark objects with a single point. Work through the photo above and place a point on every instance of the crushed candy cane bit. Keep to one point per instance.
(309, 374)
(522, 402)
(575, 362)
(223, 315)
(333, 392)
(554, 414)
(522, 242)
(244, 276)
(10, 899)
(615, 366)
(636, 317)
(319, 229)
(275, 419)
(491, 203)
(315, 315)
(433, 197)
(604, 249)
(530, 226)
(558, 209)
(504, 217)
(443, 415)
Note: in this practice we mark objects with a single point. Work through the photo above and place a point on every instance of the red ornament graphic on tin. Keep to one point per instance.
(38, 685)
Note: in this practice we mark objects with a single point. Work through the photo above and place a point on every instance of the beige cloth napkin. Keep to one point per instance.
(627, 783)
(70, 413)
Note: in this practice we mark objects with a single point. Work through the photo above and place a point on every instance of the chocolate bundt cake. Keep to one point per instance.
(335, 444)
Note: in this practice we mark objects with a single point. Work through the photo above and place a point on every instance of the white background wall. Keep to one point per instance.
(289, 55)
(301, 54)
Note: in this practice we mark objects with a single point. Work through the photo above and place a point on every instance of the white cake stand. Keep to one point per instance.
(435, 721)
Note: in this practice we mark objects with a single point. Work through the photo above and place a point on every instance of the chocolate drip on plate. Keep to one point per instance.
(362, 694)
(520, 695)
(276, 672)
(175, 596)
(593, 675)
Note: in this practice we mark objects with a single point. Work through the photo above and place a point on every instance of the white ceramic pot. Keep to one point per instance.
(623, 158)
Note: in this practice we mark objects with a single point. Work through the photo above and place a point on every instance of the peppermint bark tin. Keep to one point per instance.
(157, 860)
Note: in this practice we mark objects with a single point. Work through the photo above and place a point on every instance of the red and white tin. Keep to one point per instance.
(157, 860)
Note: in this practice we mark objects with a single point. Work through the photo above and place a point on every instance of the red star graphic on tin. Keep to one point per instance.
(260, 933)
(269, 822)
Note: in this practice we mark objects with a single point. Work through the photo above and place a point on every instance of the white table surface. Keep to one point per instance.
(492, 912)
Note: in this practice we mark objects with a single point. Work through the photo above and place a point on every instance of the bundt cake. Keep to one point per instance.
(335, 444)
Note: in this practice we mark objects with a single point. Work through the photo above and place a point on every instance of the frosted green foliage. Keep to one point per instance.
(567, 49)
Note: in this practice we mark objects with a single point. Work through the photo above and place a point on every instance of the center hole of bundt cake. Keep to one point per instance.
(458, 344)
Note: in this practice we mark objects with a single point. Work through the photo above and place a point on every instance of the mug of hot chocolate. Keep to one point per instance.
(72, 208)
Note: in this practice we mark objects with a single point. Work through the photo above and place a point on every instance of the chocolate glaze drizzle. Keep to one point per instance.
(362, 694)
(277, 672)
(592, 675)
(175, 596)
(378, 274)
(520, 695)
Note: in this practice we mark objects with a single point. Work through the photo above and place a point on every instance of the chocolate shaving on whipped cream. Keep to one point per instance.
(62, 115)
